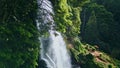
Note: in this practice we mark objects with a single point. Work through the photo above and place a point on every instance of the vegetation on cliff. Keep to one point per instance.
(96, 31)
(19, 44)
(95, 22)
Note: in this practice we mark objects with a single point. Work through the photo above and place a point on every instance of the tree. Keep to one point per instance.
(19, 45)
(91, 31)
(100, 28)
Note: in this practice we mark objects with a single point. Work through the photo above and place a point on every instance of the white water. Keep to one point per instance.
(53, 49)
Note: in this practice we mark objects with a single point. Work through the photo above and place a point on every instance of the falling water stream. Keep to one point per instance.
(53, 48)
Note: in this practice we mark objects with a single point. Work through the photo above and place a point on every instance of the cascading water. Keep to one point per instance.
(53, 48)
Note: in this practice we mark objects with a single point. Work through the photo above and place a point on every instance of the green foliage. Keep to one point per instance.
(76, 3)
(113, 7)
(19, 45)
(67, 16)
(83, 59)
(91, 31)
(87, 59)
(103, 21)
(99, 24)
(17, 10)
(104, 31)
(78, 45)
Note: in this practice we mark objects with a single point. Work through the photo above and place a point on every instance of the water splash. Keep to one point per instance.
(53, 48)
(54, 51)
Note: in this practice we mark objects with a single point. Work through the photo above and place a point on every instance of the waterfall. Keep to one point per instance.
(53, 48)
